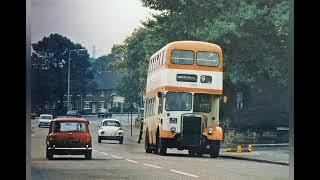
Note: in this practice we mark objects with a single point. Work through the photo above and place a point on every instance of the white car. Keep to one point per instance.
(45, 120)
(110, 129)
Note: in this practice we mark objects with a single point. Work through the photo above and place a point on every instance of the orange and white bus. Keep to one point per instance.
(184, 87)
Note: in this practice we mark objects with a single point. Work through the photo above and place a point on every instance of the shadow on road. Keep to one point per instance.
(109, 142)
(183, 155)
(77, 158)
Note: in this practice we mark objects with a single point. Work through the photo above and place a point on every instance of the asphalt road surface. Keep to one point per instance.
(111, 160)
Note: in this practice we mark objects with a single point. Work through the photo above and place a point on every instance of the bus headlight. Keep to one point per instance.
(210, 131)
(173, 129)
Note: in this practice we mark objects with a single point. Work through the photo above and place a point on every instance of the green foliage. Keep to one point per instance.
(102, 63)
(253, 36)
(50, 67)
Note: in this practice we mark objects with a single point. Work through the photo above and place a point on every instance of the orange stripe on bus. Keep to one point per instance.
(167, 134)
(194, 67)
(216, 134)
(183, 89)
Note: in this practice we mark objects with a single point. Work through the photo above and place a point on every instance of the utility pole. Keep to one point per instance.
(131, 118)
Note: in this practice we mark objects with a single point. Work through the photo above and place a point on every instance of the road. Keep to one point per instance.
(111, 160)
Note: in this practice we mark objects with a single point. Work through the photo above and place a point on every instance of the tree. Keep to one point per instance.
(252, 34)
(102, 63)
(50, 68)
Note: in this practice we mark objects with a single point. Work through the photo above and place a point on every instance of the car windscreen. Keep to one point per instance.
(45, 117)
(111, 123)
(70, 127)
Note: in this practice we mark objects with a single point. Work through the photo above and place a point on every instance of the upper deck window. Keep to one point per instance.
(182, 57)
(207, 58)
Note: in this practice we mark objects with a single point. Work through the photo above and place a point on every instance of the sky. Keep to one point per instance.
(99, 23)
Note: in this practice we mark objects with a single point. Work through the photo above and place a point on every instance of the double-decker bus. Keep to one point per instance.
(184, 87)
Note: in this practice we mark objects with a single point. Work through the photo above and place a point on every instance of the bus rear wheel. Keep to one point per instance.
(147, 145)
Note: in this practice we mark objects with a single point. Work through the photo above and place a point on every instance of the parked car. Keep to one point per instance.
(104, 113)
(110, 129)
(74, 113)
(45, 120)
(69, 136)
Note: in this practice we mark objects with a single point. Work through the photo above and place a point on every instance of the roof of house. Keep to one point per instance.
(106, 80)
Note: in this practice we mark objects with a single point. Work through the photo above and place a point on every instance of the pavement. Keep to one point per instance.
(268, 153)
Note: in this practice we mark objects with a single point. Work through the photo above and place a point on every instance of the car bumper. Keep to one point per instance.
(69, 150)
(111, 137)
(44, 124)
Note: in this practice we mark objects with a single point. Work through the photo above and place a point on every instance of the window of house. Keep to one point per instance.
(101, 105)
(86, 105)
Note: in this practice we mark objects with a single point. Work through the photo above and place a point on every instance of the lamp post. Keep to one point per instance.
(77, 50)
(80, 95)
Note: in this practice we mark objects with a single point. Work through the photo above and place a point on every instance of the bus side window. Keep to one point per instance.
(160, 107)
(147, 109)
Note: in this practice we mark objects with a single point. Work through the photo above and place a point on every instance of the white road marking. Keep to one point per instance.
(152, 166)
(131, 161)
(115, 156)
(105, 153)
(100, 152)
(184, 173)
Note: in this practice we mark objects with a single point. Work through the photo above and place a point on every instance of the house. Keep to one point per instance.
(103, 96)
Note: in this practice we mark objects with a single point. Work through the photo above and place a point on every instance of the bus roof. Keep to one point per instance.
(188, 45)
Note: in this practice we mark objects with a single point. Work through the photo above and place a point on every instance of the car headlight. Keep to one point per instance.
(210, 131)
(120, 133)
(173, 129)
(102, 132)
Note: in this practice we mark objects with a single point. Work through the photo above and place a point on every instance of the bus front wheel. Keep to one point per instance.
(214, 148)
(161, 146)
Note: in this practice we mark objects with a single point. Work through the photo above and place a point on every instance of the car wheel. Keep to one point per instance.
(49, 154)
(121, 141)
(214, 149)
(99, 139)
(88, 155)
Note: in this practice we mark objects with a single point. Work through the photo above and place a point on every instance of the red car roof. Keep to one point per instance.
(70, 119)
